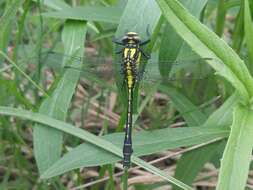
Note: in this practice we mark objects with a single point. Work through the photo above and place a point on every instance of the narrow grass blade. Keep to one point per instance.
(55, 4)
(160, 173)
(99, 142)
(48, 141)
(23, 73)
(248, 29)
(220, 18)
(238, 32)
(6, 20)
(238, 152)
(206, 44)
(102, 14)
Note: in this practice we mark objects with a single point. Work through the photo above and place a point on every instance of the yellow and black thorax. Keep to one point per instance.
(131, 57)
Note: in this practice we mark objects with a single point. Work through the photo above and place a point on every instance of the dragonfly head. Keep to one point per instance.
(132, 38)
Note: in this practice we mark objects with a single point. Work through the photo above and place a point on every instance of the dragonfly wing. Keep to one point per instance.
(105, 68)
(179, 70)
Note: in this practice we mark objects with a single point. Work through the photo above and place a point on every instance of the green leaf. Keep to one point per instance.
(238, 152)
(223, 115)
(48, 141)
(207, 44)
(137, 17)
(145, 143)
(102, 14)
(89, 137)
(220, 17)
(238, 32)
(248, 29)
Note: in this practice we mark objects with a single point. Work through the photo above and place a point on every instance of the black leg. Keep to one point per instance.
(114, 40)
(147, 31)
(148, 35)
(118, 51)
(144, 54)
(145, 42)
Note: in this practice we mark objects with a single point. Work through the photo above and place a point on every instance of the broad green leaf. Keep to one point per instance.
(207, 44)
(233, 173)
(137, 17)
(187, 167)
(102, 14)
(248, 29)
(145, 142)
(88, 137)
(48, 141)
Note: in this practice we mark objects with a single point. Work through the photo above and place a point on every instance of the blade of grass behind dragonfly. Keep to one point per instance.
(48, 141)
(135, 18)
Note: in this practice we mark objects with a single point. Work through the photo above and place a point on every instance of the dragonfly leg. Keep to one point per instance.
(144, 54)
(147, 31)
(119, 51)
(144, 42)
(116, 41)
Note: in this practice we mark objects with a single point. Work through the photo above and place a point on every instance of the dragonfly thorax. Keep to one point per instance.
(131, 57)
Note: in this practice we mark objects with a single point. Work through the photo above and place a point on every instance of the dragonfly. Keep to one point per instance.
(134, 66)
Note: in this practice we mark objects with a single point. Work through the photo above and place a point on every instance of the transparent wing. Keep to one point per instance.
(149, 71)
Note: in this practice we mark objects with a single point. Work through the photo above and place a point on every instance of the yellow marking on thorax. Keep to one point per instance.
(126, 52)
(131, 52)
